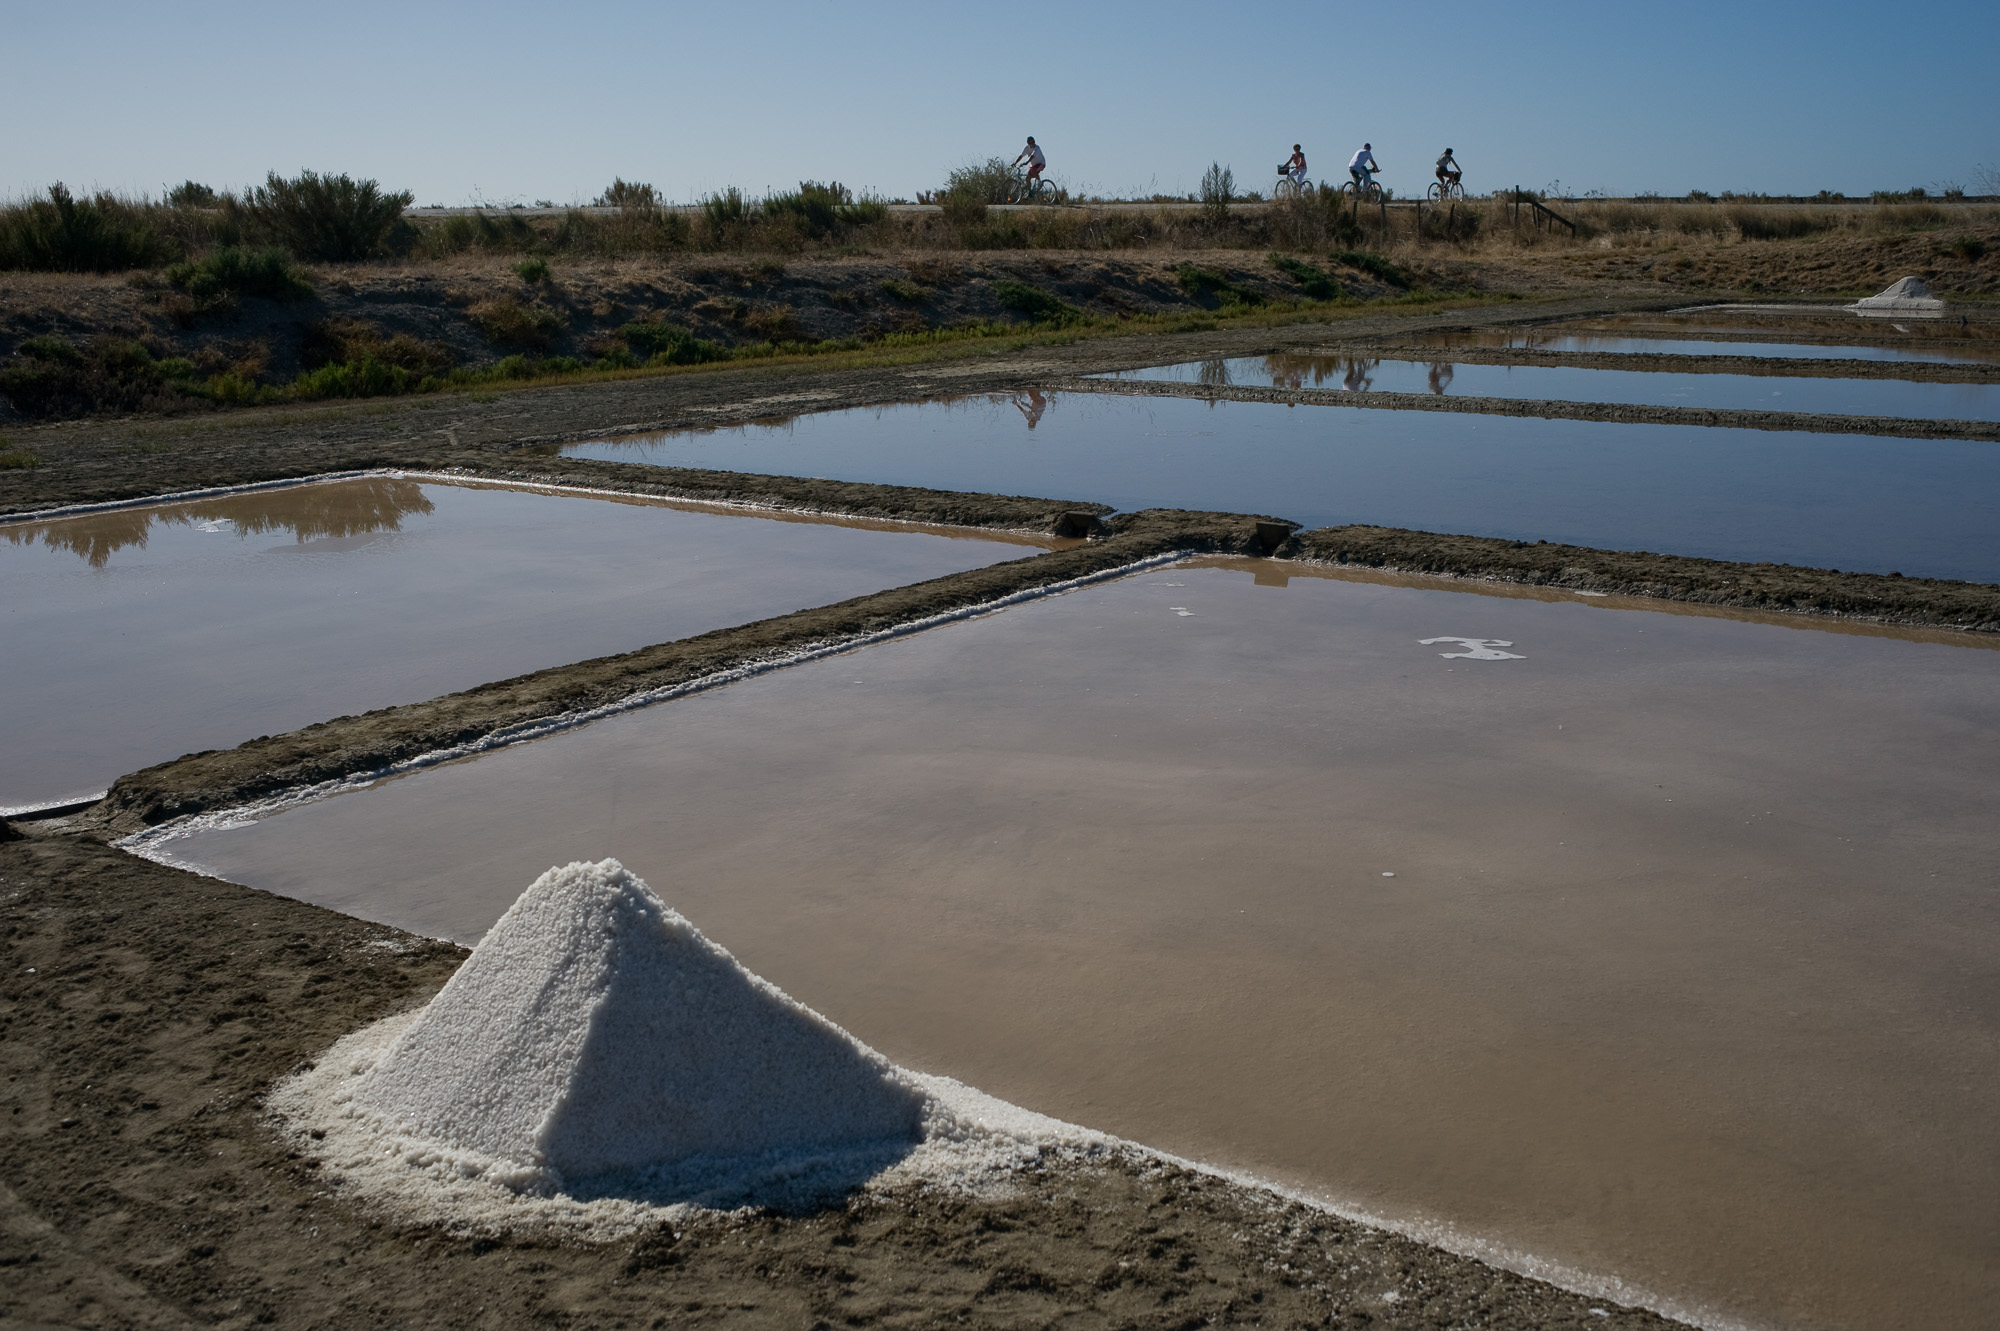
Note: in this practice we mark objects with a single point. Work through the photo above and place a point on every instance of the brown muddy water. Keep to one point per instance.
(133, 636)
(1659, 946)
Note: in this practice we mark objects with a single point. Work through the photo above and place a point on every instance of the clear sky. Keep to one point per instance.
(515, 102)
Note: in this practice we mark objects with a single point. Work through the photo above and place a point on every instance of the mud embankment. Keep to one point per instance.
(1873, 597)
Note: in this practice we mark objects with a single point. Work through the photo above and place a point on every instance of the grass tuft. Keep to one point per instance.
(1198, 281)
(1034, 303)
(532, 271)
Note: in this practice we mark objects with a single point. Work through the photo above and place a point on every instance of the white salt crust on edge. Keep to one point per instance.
(969, 1142)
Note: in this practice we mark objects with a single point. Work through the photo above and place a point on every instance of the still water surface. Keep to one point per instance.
(1862, 502)
(1569, 383)
(1685, 974)
(131, 637)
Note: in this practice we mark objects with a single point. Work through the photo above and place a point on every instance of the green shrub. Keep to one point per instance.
(1034, 303)
(1218, 188)
(910, 293)
(1316, 283)
(12, 459)
(511, 324)
(532, 270)
(628, 194)
(230, 271)
(1375, 266)
(669, 344)
(989, 181)
(1196, 281)
(62, 233)
(192, 194)
(820, 211)
(331, 218)
(725, 212)
(50, 377)
(1969, 247)
(367, 377)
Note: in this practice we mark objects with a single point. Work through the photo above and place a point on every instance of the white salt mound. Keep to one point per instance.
(1909, 293)
(594, 1030)
(596, 1061)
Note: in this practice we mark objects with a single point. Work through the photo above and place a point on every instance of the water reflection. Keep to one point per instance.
(309, 512)
(1031, 405)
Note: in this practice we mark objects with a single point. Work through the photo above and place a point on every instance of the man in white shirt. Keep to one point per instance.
(1032, 155)
(1362, 166)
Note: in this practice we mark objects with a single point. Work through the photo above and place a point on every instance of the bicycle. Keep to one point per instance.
(1368, 193)
(1024, 190)
(1287, 188)
(1443, 192)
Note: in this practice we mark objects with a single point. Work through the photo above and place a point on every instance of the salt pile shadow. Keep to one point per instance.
(597, 1057)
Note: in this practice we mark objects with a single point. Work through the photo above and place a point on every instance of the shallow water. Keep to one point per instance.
(1616, 344)
(130, 637)
(1918, 507)
(1570, 383)
(1685, 974)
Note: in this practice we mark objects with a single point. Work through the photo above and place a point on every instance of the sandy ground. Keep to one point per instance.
(146, 1010)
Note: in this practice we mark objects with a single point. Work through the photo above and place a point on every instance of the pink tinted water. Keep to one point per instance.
(1688, 973)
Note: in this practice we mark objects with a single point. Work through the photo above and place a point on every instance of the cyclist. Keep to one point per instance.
(1295, 168)
(1448, 171)
(1362, 167)
(1032, 155)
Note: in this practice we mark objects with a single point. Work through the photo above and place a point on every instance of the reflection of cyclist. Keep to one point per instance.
(1033, 408)
(1448, 170)
(1362, 166)
(1440, 376)
(1296, 167)
(1359, 377)
(1032, 155)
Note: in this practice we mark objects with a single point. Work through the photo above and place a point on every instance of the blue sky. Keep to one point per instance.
(515, 102)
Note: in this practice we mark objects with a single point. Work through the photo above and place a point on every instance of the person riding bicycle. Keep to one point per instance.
(1032, 155)
(1295, 168)
(1448, 171)
(1362, 167)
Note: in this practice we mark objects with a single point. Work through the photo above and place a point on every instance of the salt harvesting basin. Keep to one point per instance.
(1569, 383)
(133, 636)
(1657, 944)
(1858, 502)
(1678, 339)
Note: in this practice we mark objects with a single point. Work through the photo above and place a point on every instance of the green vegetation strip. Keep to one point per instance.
(357, 745)
(1889, 599)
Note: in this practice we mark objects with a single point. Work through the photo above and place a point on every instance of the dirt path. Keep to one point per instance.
(148, 1009)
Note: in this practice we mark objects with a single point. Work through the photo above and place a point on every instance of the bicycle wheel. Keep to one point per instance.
(1437, 192)
(1372, 194)
(1041, 191)
(1347, 191)
(1457, 190)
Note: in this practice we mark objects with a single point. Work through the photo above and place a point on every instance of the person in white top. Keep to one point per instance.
(1448, 170)
(1362, 166)
(1032, 155)
(1296, 167)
